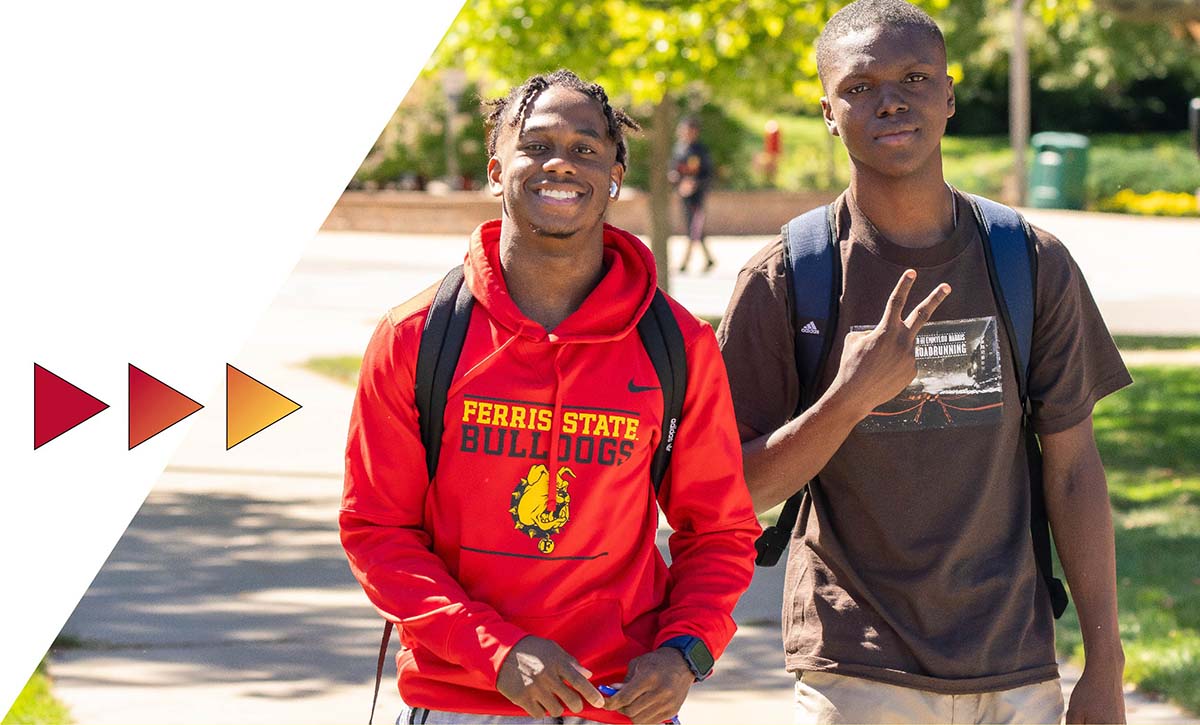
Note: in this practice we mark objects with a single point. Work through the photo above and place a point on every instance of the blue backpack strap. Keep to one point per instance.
(1008, 246)
(815, 284)
(1012, 267)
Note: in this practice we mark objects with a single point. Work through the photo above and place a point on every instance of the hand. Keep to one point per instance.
(1098, 697)
(655, 687)
(541, 678)
(877, 364)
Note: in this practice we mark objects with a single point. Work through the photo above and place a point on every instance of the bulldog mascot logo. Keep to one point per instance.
(532, 511)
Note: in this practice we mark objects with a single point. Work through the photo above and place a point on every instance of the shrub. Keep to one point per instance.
(1156, 203)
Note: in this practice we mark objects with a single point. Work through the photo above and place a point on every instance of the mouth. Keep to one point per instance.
(559, 195)
(896, 136)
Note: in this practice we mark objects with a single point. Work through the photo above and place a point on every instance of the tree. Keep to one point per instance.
(648, 52)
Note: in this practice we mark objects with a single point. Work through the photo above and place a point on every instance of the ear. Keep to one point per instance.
(827, 114)
(949, 97)
(617, 174)
(493, 177)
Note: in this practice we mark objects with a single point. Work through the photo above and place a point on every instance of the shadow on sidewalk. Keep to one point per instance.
(217, 587)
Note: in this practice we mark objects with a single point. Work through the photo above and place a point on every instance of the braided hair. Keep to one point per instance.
(522, 97)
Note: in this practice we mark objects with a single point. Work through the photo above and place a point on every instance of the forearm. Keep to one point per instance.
(1081, 520)
(779, 464)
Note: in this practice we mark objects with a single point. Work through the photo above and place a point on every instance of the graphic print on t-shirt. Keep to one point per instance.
(958, 380)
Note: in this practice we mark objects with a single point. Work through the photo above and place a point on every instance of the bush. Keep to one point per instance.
(729, 142)
(1143, 164)
(1156, 203)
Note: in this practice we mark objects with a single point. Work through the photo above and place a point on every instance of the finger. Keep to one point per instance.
(531, 706)
(895, 303)
(630, 691)
(576, 676)
(924, 311)
(549, 703)
(569, 699)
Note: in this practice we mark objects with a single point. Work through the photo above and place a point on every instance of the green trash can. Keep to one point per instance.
(1056, 180)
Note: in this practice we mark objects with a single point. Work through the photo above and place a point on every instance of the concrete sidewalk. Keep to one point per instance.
(228, 600)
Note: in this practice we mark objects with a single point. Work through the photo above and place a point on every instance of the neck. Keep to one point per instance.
(915, 210)
(549, 278)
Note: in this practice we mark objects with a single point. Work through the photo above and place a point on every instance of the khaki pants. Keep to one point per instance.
(823, 698)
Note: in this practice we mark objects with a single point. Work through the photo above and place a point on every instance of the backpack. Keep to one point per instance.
(437, 357)
(813, 264)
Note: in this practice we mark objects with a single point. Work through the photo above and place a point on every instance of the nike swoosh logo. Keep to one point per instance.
(634, 388)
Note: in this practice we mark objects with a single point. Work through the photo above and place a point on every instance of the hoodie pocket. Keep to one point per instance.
(593, 633)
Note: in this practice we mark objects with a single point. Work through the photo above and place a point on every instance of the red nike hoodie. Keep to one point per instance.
(541, 518)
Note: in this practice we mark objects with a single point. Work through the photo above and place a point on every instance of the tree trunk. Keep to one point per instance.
(662, 133)
(1018, 101)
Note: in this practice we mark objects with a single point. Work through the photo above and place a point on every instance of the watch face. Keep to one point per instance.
(701, 657)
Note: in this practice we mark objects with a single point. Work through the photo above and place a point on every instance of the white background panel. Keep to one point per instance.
(162, 166)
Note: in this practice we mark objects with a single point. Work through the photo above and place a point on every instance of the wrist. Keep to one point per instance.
(841, 405)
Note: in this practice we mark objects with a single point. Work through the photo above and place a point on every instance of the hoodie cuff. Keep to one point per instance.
(483, 646)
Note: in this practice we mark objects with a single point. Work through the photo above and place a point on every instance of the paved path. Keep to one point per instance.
(228, 600)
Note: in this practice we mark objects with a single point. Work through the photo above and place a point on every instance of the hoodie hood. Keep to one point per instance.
(610, 311)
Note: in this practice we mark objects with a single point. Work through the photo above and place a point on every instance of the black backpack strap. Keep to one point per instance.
(663, 341)
(814, 270)
(1008, 246)
(437, 357)
(383, 648)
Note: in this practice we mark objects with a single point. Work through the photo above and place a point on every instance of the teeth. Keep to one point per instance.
(555, 194)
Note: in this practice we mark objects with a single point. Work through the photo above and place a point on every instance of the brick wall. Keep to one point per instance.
(729, 212)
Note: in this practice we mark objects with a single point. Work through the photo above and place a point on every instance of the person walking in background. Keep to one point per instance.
(520, 564)
(922, 454)
(691, 173)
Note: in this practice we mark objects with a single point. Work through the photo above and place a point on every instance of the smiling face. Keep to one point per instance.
(888, 97)
(554, 171)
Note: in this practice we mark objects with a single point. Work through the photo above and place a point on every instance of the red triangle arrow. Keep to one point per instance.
(154, 406)
(58, 406)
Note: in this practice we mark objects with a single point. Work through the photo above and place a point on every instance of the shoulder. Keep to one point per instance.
(766, 262)
(414, 310)
(1055, 266)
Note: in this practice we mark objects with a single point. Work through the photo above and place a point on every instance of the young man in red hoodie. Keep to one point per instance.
(513, 601)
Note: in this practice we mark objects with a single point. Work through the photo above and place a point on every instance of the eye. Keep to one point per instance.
(854, 90)
(585, 150)
(916, 77)
(533, 147)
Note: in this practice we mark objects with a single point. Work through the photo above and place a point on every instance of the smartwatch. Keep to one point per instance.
(699, 660)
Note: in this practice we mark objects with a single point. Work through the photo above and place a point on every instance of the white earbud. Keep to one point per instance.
(613, 189)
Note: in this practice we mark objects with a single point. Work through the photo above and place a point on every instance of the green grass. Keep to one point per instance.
(343, 368)
(1149, 438)
(1156, 342)
(36, 705)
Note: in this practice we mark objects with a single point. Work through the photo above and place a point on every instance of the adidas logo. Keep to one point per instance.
(810, 328)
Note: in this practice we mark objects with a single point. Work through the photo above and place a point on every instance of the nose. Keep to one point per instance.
(891, 102)
(559, 163)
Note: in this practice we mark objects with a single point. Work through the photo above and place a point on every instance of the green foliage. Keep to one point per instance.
(728, 139)
(1147, 437)
(1092, 71)
(36, 705)
(1143, 164)
(419, 149)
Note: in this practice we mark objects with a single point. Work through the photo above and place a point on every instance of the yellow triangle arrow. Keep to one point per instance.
(251, 406)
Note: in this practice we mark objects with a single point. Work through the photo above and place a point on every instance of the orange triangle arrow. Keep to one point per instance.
(154, 406)
(251, 406)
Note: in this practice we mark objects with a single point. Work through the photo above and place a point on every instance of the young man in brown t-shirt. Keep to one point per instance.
(912, 591)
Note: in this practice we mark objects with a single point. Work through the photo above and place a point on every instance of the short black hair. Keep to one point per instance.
(867, 14)
(522, 96)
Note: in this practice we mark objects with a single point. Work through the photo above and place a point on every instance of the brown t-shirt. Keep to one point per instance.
(912, 561)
